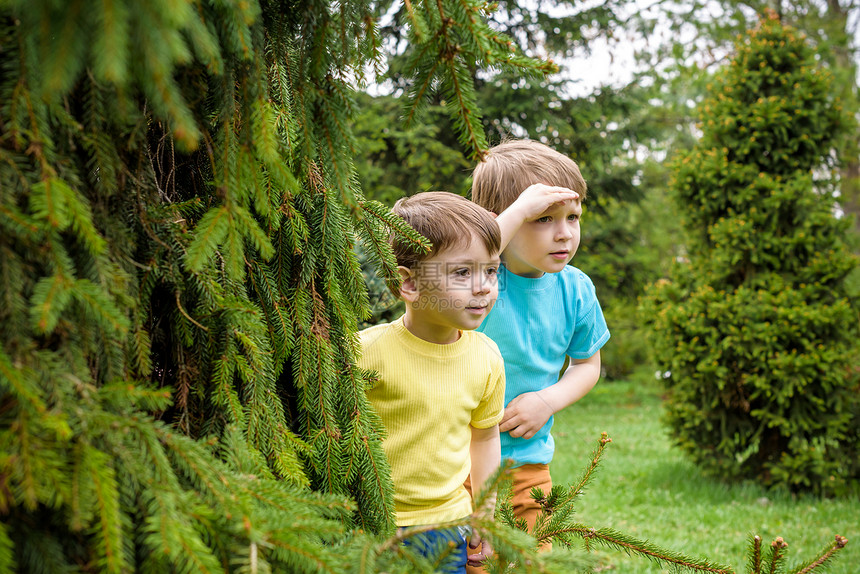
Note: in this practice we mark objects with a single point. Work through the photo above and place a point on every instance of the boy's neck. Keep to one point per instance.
(437, 334)
(535, 275)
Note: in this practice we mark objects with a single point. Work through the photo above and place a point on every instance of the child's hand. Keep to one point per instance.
(530, 205)
(537, 198)
(479, 549)
(525, 415)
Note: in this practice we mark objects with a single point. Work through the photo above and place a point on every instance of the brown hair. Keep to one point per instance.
(513, 165)
(447, 220)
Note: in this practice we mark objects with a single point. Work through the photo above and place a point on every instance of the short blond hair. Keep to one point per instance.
(447, 220)
(513, 165)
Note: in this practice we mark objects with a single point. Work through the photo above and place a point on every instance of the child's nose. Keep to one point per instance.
(481, 284)
(564, 231)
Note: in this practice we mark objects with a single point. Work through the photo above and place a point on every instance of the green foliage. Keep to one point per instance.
(646, 487)
(757, 331)
(694, 39)
(557, 524)
(160, 295)
(395, 160)
(179, 289)
(384, 306)
(180, 294)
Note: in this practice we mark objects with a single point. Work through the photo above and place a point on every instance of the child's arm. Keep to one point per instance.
(530, 204)
(486, 454)
(526, 414)
(485, 451)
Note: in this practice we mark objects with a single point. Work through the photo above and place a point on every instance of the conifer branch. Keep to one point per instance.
(471, 131)
(418, 94)
(777, 556)
(105, 312)
(755, 555)
(21, 382)
(108, 530)
(579, 487)
(418, 26)
(614, 539)
(18, 220)
(208, 234)
(7, 557)
(825, 556)
(379, 479)
(51, 296)
(185, 313)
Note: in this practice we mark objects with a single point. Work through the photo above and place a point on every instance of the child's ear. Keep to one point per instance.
(408, 286)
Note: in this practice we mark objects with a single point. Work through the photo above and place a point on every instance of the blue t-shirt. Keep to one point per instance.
(536, 322)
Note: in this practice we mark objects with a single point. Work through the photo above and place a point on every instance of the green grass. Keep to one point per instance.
(647, 489)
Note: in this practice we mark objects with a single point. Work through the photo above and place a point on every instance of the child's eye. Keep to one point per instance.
(544, 219)
(572, 217)
(492, 270)
(461, 272)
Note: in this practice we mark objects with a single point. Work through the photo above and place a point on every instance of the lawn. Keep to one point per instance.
(647, 489)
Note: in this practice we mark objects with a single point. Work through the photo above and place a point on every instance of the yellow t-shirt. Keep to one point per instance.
(427, 396)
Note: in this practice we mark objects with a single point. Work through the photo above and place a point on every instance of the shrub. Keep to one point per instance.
(756, 330)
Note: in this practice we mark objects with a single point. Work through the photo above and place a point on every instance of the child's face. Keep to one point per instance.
(545, 244)
(454, 290)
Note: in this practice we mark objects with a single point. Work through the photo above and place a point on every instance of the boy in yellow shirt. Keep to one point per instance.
(441, 384)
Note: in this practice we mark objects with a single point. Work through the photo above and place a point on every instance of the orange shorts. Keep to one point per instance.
(524, 478)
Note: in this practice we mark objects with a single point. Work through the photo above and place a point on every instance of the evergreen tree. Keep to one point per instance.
(685, 36)
(180, 293)
(756, 332)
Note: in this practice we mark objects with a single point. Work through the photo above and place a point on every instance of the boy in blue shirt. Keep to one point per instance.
(547, 312)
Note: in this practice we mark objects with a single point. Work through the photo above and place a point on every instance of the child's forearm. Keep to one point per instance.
(532, 202)
(510, 221)
(574, 384)
(486, 454)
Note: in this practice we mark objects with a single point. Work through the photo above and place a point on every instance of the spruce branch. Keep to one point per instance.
(376, 477)
(104, 311)
(107, 530)
(185, 314)
(208, 234)
(122, 394)
(396, 225)
(777, 555)
(426, 67)
(15, 221)
(461, 89)
(51, 297)
(7, 556)
(554, 524)
(824, 556)
(620, 541)
(21, 381)
(419, 27)
(754, 565)
(589, 471)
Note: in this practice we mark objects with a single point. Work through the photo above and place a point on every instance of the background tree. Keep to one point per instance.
(683, 39)
(756, 332)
